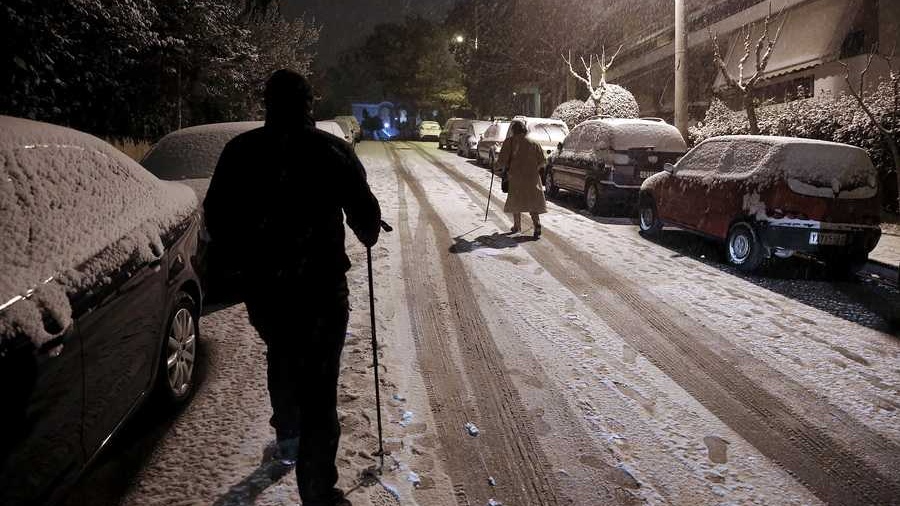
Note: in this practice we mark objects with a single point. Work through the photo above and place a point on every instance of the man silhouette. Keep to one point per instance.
(275, 207)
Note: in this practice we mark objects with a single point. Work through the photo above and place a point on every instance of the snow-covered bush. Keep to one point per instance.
(572, 112)
(826, 117)
(617, 102)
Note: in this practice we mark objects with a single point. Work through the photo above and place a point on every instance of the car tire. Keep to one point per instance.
(743, 248)
(593, 197)
(550, 188)
(648, 218)
(177, 370)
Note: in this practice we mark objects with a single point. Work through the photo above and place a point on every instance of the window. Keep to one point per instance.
(742, 157)
(863, 33)
(705, 157)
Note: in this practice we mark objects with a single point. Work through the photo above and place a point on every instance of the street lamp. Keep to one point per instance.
(459, 39)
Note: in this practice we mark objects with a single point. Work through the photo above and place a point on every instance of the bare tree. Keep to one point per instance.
(762, 49)
(595, 92)
(888, 131)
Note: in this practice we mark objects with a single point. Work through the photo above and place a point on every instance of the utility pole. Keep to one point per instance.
(681, 91)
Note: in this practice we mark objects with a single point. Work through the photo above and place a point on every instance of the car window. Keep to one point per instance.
(743, 157)
(705, 157)
(491, 132)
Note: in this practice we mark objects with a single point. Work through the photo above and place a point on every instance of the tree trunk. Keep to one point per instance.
(751, 114)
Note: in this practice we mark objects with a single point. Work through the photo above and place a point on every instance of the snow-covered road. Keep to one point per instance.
(597, 366)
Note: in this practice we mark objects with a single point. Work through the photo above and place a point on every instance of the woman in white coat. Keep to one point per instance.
(523, 160)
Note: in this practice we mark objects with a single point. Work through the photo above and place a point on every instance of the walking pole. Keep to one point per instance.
(490, 188)
(386, 228)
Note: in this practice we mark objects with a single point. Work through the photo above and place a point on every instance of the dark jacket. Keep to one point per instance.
(275, 205)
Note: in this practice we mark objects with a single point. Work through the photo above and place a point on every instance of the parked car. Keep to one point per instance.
(453, 129)
(544, 131)
(607, 159)
(190, 156)
(335, 129)
(488, 148)
(99, 301)
(346, 128)
(429, 131)
(468, 144)
(770, 197)
(354, 125)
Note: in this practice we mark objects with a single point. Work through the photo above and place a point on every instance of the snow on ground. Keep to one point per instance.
(673, 447)
(218, 450)
(603, 413)
(849, 364)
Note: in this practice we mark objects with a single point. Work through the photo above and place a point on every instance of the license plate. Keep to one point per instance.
(644, 174)
(827, 239)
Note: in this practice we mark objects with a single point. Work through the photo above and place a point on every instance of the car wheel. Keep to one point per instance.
(550, 188)
(742, 248)
(592, 197)
(177, 368)
(648, 218)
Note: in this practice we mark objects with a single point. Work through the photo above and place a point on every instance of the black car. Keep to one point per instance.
(99, 301)
(607, 159)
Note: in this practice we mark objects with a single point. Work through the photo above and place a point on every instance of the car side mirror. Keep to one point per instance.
(559, 147)
(668, 167)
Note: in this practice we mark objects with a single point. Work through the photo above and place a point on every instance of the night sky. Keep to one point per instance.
(345, 23)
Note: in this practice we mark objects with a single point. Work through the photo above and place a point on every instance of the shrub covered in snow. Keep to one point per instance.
(572, 112)
(826, 117)
(617, 102)
(74, 211)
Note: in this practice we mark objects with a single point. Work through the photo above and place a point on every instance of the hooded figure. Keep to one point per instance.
(523, 160)
(276, 207)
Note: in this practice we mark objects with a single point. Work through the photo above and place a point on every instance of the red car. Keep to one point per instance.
(770, 196)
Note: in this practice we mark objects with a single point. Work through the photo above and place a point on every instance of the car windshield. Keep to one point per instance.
(547, 132)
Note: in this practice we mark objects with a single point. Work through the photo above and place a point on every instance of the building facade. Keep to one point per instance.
(817, 37)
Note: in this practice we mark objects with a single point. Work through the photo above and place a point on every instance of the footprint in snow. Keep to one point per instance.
(717, 449)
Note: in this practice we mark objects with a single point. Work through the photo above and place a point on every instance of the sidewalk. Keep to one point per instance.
(888, 249)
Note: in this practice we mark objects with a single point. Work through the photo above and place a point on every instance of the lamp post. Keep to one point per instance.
(681, 92)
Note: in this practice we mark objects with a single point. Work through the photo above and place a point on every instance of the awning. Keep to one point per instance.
(812, 35)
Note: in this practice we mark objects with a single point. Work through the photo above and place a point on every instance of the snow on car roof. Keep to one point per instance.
(193, 152)
(625, 133)
(74, 210)
(811, 161)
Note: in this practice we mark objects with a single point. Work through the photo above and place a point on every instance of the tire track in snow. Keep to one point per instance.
(507, 446)
(841, 461)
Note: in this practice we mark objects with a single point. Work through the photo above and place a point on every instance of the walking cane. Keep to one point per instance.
(386, 228)
(490, 188)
